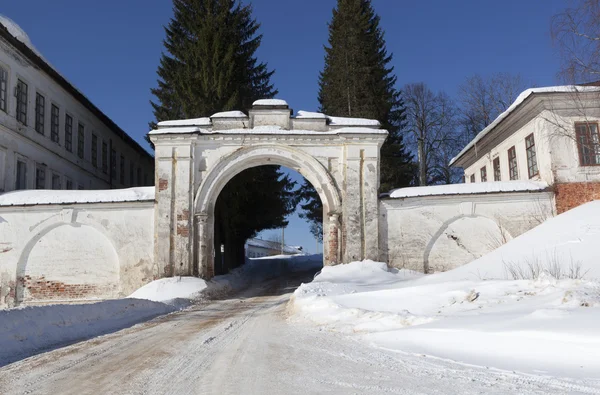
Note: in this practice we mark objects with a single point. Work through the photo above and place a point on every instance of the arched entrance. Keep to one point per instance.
(196, 158)
(259, 155)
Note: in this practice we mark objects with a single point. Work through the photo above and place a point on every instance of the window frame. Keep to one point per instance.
(94, 156)
(472, 178)
(104, 157)
(56, 176)
(122, 170)
(113, 164)
(513, 150)
(68, 132)
(579, 145)
(40, 113)
(483, 174)
(40, 170)
(4, 89)
(80, 140)
(19, 187)
(22, 101)
(497, 169)
(55, 123)
(531, 155)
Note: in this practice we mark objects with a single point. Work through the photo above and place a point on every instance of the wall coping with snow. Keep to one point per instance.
(62, 197)
(481, 188)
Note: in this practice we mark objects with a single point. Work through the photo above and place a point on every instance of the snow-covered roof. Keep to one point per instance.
(229, 114)
(520, 99)
(270, 102)
(343, 121)
(310, 115)
(16, 31)
(205, 121)
(268, 129)
(36, 197)
(273, 245)
(469, 189)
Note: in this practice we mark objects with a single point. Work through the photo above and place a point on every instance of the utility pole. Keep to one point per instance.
(282, 239)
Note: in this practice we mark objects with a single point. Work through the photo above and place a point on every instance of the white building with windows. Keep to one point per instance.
(258, 248)
(51, 135)
(548, 134)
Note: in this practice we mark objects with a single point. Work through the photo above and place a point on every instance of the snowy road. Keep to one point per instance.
(244, 345)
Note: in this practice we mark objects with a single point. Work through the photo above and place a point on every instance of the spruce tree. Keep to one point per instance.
(358, 81)
(210, 66)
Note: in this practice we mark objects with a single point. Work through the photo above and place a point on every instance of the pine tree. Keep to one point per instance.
(209, 66)
(358, 81)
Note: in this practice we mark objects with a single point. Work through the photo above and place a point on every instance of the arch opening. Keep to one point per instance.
(209, 258)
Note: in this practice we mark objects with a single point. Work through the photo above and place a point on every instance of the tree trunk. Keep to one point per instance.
(422, 163)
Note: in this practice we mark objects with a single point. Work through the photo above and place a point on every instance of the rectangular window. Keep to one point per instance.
(40, 110)
(56, 184)
(40, 178)
(483, 174)
(513, 169)
(69, 184)
(139, 176)
(472, 178)
(21, 181)
(122, 170)
(104, 157)
(3, 88)
(80, 187)
(146, 179)
(21, 102)
(54, 114)
(68, 133)
(497, 174)
(588, 143)
(532, 167)
(113, 164)
(80, 139)
(94, 150)
(131, 171)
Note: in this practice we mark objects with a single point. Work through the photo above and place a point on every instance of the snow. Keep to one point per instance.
(268, 130)
(205, 121)
(229, 114)
(273, 245)
(520, 99)
(178, 130)
(342, 121)
(310, 115)
(166, 289)
(472, 188)
(478, 314)
(35, 197)
(270, 102)
(31, 330)
(16, 31)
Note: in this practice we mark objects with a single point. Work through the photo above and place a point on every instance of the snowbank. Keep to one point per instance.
(168, 289)
(204, 121)
(34, 197)
(229, 114)
(472, 188)
(544, 322)
(31, 330)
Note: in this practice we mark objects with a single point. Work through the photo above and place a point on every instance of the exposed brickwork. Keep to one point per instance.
(163, 184)
(184, 216)
(39, 288)
(183, 230)
(574, 194)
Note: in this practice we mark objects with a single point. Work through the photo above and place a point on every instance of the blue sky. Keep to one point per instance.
(110, 49)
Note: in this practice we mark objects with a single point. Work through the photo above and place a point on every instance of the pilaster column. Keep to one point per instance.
(203, 246)
(333, 239)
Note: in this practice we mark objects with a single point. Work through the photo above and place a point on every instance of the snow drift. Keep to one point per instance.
(542, 322)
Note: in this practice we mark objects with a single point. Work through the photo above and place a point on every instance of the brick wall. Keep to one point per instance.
(574, 194)
(40, 289)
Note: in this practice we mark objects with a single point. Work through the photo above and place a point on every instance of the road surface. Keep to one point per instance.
(245, 345)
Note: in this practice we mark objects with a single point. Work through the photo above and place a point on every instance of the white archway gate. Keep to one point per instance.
(196, 158)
